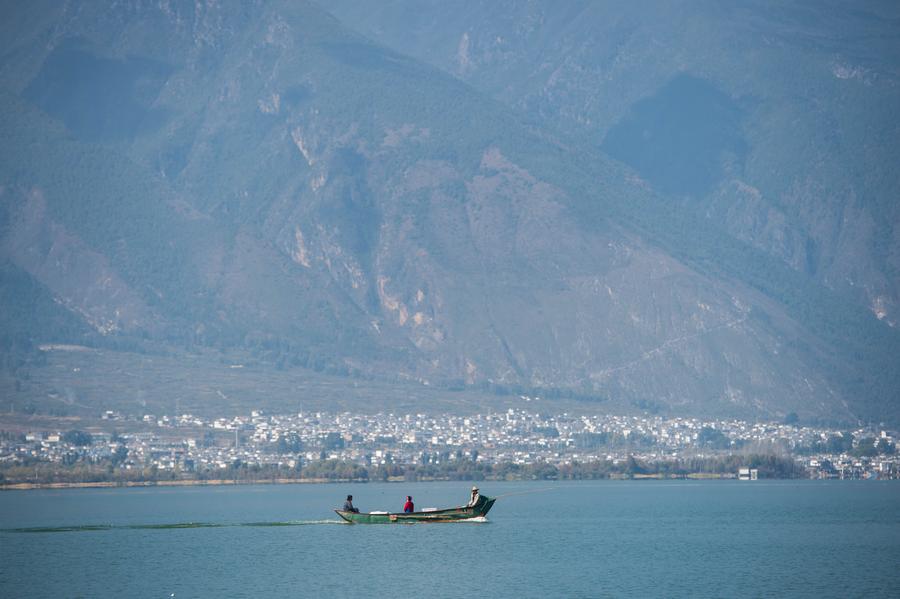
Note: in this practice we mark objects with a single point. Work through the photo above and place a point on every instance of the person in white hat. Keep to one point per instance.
(474, 499)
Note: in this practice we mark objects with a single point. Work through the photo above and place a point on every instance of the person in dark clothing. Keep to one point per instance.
(408, 507)
(348, 505)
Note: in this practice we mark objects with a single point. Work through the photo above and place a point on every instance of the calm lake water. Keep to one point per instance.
(589, 539)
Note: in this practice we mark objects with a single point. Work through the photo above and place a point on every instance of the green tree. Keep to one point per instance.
(885, 447)
(119, 455)
(333, 441)
(712, 438)
(77, 438)
(840, 443)
(865, 448)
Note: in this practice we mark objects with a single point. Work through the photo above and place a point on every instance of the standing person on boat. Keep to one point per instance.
(408, 507)
(474, 499)
(348, 505)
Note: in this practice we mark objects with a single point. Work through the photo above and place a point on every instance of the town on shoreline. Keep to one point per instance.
(516, 444)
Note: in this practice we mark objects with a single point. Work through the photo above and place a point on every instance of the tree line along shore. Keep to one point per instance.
(42, 475)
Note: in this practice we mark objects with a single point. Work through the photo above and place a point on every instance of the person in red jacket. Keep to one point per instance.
(408, 506)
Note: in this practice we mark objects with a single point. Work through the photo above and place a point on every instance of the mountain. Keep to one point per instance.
(261, 180)
(774, 121)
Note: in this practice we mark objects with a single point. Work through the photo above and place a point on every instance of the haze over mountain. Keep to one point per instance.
(684, 209)
(776, 121)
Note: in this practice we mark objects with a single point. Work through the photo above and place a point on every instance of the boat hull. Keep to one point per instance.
(455, 514)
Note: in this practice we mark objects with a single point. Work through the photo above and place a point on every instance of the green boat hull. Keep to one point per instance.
(454, 514)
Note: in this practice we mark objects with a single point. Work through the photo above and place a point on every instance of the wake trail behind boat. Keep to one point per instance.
(165, 526)
(291, 523)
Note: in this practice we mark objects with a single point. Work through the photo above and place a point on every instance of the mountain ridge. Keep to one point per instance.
(324, 203)
(814, 84)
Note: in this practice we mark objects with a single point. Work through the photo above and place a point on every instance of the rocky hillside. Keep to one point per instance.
(774, 121)
(265, 179)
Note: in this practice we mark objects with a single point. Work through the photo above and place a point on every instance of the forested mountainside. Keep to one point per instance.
(259, 177)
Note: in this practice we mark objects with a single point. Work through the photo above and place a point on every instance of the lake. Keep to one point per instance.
(581, 539)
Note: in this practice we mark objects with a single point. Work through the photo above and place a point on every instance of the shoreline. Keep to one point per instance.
(325, 481)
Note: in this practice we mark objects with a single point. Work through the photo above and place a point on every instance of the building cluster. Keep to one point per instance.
(190, 443)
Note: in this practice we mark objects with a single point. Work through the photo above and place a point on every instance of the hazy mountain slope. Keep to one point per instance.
(776, 121)
(266, 179)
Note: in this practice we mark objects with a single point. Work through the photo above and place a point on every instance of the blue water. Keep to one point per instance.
(603, 539)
